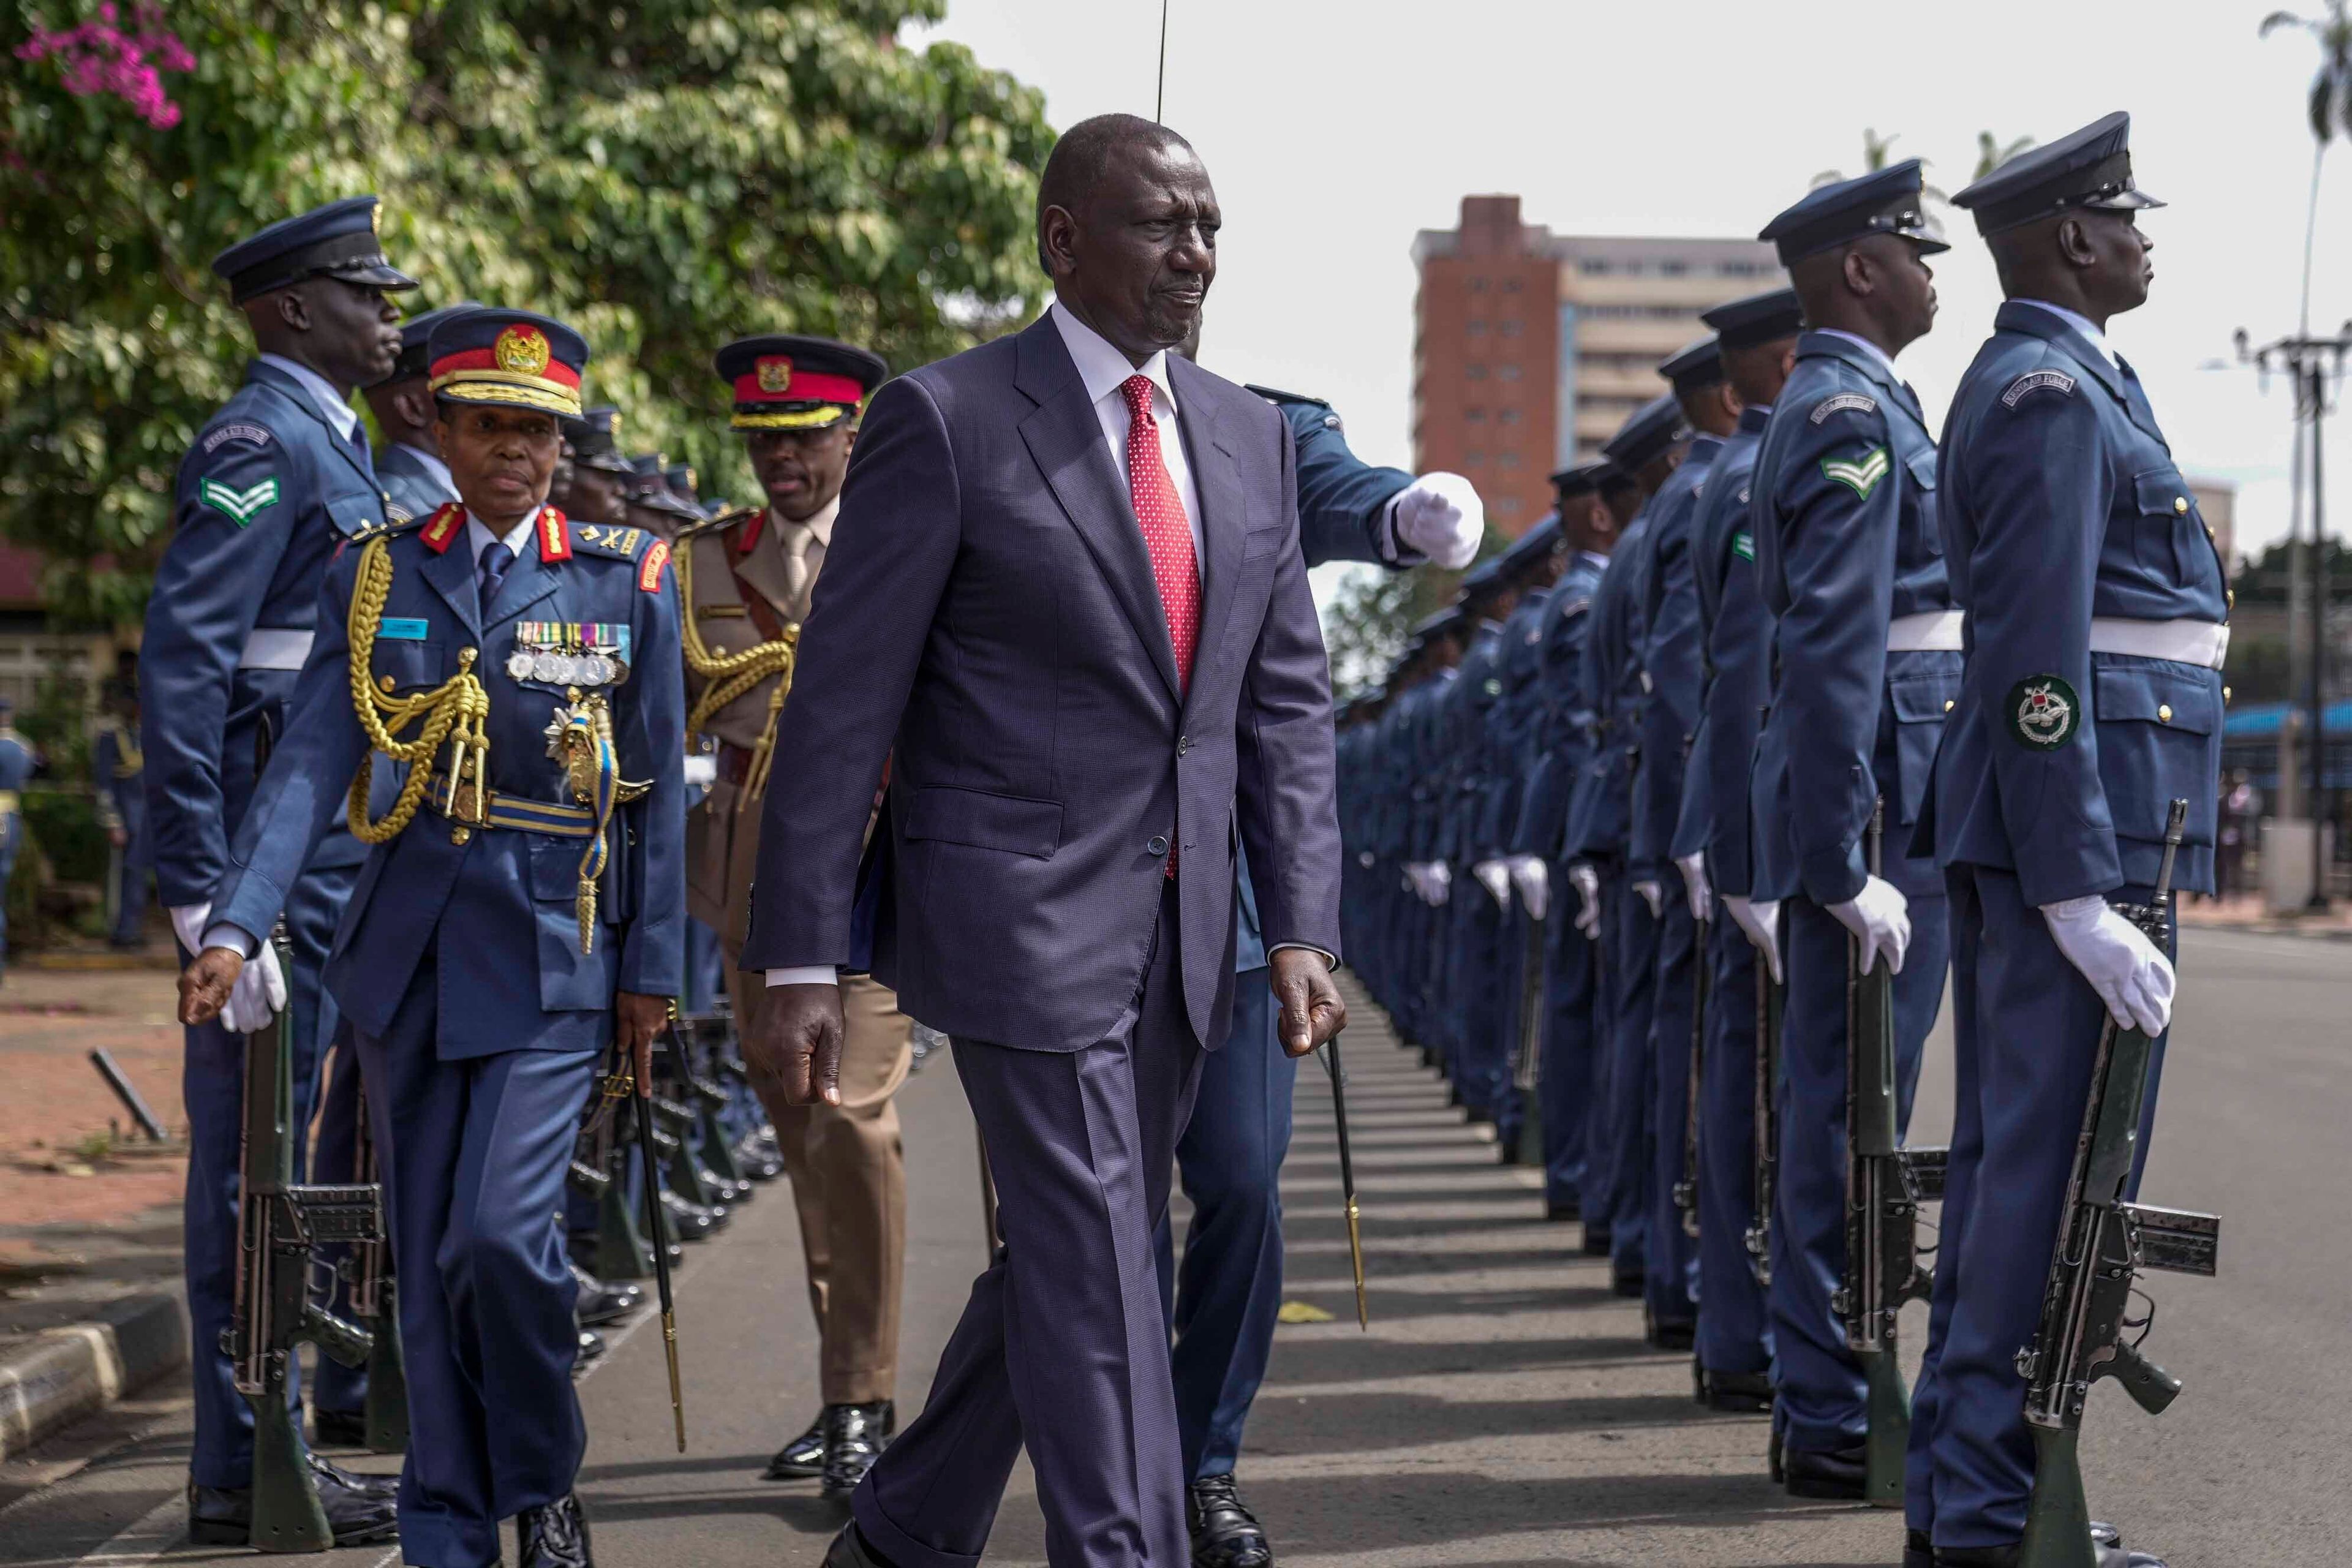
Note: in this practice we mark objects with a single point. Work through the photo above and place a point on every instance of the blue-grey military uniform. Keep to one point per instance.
(413, 487)
(116, 768)
(477, 966)
(269, 489)
(2096, 608)
(1480, 1058)
(1843, 511)
(17, 760)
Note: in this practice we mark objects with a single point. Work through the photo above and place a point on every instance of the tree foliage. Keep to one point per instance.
(1366, 623)
(665, 174)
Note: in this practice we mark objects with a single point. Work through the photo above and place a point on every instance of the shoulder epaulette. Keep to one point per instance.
(720, 523)
(615, 540)
(1275, 394)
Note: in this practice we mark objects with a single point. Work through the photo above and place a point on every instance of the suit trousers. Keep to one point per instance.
(475, 1153)
(1822, 1395)
(1221, 1304)
(1574, 1022)
(212, 1087)
(848, 1171)
(1631, 1111)
(1062, 1344)
(1733, 1335)
(2025, 1027)
(1672, 1278)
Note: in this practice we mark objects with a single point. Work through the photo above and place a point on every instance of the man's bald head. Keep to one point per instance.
(1126, 227)
(1082, 158)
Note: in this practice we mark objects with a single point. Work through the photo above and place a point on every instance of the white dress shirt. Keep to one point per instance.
(1871, 349)
(1105, 369)
(2080, 324)
(332, 403)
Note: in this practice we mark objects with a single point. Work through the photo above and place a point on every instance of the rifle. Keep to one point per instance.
(279, 1224)
(1884, 1184)
(2103, 1243)
(1687, 1190)
(1527, 1068)
(375, 1299)
(1767, 1181)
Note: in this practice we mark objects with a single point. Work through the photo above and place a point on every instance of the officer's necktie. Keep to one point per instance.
(492, 571)
(1167, 533)
(357, 438)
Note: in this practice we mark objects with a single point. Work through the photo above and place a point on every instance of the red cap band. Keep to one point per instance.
(801, 387)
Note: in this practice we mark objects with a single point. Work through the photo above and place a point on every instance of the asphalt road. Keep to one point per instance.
(1503, 1409)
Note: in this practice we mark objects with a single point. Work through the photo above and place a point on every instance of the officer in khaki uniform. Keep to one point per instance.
(747, 576)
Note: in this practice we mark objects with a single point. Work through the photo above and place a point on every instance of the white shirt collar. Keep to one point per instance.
(1598, 557)
(480, 536)
(1763, 408)
(336, 408)
(1101, 366)
(432, 465)
(1871, 349)
(2082, 324)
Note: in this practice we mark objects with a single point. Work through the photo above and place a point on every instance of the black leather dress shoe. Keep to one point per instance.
(592, 1346)
(1735, 1393)
(1564, 1209)
(1596, 1240)
(850, 1550)
(803, 1458)
(338, 1428)
(359, 1514)
(362, 1482)
(598, 1303)
(2106, 1541)
(855, 1437)
(690, 1221)
(1668, 1334)
(1627, 1282)
(1225, 1533)
(1835, 1474)
(555, 1536)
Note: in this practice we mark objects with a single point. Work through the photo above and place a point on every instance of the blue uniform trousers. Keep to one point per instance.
(1510, 985)
(1733, 1332)
(1822, 1395)
(474, 1154)
(335, 1158)
(212, 1088)
(2025, 1028)
(133, 881)
(1574, 1020)
(12, 838)
(1222, 1303)
(1632, 1130)
(1672, 1280)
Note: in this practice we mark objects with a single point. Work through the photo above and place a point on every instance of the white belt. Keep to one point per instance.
(275, 647)
(1932, 631)
(2201, 642)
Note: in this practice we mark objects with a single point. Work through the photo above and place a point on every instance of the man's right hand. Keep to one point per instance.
(796, 1046)
(205, 985)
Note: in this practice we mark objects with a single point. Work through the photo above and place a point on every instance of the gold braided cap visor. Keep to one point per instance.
(792, 418)
(500, 388)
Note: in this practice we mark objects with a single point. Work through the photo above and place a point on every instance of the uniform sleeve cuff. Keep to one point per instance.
(806, 974)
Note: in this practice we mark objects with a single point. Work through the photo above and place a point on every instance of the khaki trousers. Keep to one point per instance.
(848, 1172)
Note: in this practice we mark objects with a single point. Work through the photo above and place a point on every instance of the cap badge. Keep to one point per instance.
(775, 374)
(375, 218)
(521, 350)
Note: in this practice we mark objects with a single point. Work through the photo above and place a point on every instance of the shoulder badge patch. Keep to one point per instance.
(610, 538)
(1862, 475)
(443, 527)
(1743, 544)
(253, 434)
(1840, 403)
(241, 506)
(649, 570)
(2043, 712)
(2057, 381)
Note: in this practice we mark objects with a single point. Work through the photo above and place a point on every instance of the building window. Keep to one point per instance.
(1474, 373)
(1505, 506)
(1477, 285)
(1509, 416)
(1477, 328)
(1507, 372)
(1508, 460)
(1474, 415)
(1511, 285)
(1674, 268)
(1477, 459)
(1511, 329)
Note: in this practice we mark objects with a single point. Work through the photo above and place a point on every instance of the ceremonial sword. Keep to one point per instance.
(1330, 1051)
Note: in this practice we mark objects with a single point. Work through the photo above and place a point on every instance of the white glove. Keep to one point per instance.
(701, 774)
(1441, 880)
(1495, 878)
(1702, 901)
(1365, 858)
(1441, 516)
(188, 921)
(2128, 971)
(1880, 917)
(1651, 894)
(1760, 919)
(1532, 878)
(1587, 882)
(259, 994)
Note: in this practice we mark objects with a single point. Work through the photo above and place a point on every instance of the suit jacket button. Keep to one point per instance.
(2164, 713)
(1159, 844)
(1183, 744)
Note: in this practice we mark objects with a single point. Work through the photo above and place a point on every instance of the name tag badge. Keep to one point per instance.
(401, 628)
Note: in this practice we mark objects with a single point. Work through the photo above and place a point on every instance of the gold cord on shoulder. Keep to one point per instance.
(728, 677)
(453, 711)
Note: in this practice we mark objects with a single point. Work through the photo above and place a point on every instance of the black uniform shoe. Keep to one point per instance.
(1916, 1550)
(1627, 1282)
(1225, 1533)
(849, 1550)
(1833, 1473)
(598, 1303)
(855, 1437)
(803, 1458)
(1736, 1393)
(1564, 1209)
(358, 1510)
(758, 1157)
(592, 1346)
(338, 1428)
(555, 1536)
(1675, 1334)
(2107, 1540)
(690, 1220)
(1596, 1240)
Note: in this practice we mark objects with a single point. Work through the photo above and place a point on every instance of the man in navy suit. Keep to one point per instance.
(1074, 619)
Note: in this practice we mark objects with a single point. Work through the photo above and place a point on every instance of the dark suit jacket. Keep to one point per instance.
(987, 620)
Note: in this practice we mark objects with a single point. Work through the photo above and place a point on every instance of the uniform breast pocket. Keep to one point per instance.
(2170, 539)
(353, 512)
(2159, 738)
(401, 664)
(1922, 466)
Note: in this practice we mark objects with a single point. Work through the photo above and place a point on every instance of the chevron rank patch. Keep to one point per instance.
(1743, 544)
(1841, 402)
(2043, 712)
(1861, 475)
(2057, 381)
(241, 506)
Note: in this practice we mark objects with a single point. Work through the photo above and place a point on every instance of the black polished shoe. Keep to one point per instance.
(1735, 1393)
(1225, 1533)
(2107, 1543)
(690, 1221)
(338, 1428)
(598, 1303)
(758, 1157)
(555, 1536)
(849, 1550)
(803, 1458)
(1596, 1240)
(363, 1482)
(1833, 1474)
(1668, 1335)
(855, 1437)
(1564, 1209)
(592, 1346)
(359, 1516)
(1918, 1553)
(1627, 1282)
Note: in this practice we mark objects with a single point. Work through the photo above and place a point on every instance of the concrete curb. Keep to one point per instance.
(59, 1376)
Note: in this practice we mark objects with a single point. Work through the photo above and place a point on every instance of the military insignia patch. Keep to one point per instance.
(1862, 475)
(521, 350)
(241, 506)
(1743, 544)
(2034, 381)
(227, 433)
(2043, 712)
(1841, 402)
(775, 374)
(649, 570)
(1494, 686)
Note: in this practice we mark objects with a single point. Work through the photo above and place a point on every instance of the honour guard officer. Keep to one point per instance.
(17, 760)
(1642, 456)
(1441, 637)
(1843, 508)
(1575, 1006)
(1480, 1065)
(601, 474)
(274, 484)
(115, 770)
(416, 481)
(650, 502)
(2097, 619)
(684, 484)
(1349, 509)
(522, 908)
(746, 580)
(1671, 655)
(1759, 342)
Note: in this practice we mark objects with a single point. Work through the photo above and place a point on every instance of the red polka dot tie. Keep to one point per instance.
(1167, 530)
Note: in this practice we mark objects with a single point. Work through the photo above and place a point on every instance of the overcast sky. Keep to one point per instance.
(1335, 131)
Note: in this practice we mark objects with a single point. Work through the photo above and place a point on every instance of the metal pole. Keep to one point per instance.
(2317, 578)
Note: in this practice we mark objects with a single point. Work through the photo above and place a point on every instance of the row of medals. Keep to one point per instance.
(563, 658)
